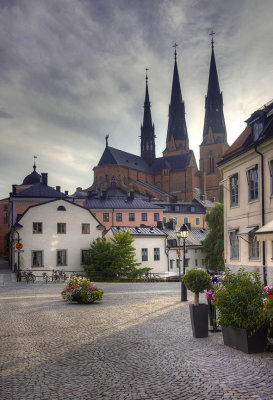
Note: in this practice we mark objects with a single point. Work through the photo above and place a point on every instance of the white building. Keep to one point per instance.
(55, 235)
(150, 245)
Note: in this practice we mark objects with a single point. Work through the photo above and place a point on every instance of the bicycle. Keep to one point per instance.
(29, 276)
(46, 277)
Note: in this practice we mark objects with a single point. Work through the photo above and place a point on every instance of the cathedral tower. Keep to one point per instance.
(214, 143)
(177, 136)
(147, 130)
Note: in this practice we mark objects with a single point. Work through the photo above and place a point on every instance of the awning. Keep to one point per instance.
(265, 232)
(247, 230)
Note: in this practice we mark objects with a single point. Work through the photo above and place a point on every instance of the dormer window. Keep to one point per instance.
(257, 129)
(61, 208)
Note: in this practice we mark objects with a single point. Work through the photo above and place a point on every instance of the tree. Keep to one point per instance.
(113, 259)
(214, 242)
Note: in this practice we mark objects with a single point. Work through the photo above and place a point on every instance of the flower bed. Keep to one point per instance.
(81, 290)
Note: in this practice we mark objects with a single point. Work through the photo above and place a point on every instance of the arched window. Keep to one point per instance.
(211, 162)
(61, 208)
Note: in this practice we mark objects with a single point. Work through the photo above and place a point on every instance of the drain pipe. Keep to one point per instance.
(263, 213)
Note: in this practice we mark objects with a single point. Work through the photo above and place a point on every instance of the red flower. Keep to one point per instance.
(270, 296)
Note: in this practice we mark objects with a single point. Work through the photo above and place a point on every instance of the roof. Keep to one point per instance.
(119, 203)
(183, 207)
(112, 156)
(246, 140)
(40, 190)
(152, 187)
(51, 201)
(139, 231)
(176, 162)
(195, 237)
(32, 178)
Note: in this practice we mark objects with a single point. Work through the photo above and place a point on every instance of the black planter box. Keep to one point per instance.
(241, 339)
(199, 320)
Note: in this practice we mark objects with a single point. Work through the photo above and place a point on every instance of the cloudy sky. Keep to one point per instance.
(72, 71)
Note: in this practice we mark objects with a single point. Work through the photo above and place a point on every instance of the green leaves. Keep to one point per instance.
(214, 242)
(197, 281)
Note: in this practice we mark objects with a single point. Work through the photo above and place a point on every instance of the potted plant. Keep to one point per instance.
(81, 290)
(197, 281)
(240, 311)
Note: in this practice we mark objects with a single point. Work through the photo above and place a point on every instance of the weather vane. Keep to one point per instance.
(106, 139)
(34, 166)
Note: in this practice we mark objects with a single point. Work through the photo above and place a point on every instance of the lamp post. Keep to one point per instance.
(183, 233)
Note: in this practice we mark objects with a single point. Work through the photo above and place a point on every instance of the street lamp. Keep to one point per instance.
(183, 233)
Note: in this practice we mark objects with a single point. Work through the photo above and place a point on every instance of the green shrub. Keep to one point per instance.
(240, 300)
(197, 280)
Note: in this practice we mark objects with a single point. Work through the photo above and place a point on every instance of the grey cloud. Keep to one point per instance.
(4, 114)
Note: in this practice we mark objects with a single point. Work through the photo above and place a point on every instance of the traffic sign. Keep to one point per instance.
(19, 251)
(178, 254)
(19, 246)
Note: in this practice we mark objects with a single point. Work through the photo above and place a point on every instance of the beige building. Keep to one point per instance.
(247, 170)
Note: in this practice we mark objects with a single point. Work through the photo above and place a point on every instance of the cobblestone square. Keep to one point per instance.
(136, 344)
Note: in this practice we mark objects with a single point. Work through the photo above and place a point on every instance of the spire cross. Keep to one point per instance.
(212, 42)
(175, 46)
(147, 69)
(34, 165)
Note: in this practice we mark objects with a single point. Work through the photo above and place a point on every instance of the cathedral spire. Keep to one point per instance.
(214, 115)
(177, 135)
(147, 129)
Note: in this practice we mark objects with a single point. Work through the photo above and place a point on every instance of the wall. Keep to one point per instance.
(49, 241)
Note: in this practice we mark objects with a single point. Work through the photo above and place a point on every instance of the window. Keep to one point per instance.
(131, 216)
(5, 208)
(171, 264)
(252, 175)
(86, 228)
(143, 216)
(234, 245)
(105, 217)
(211, 162)
(203, 261)
(61, 227)
(234, 189)
(186, 220)
(84, 256)
(197, 221)
(61, 257)
(156, 216)
(254, 247)
(144, 254)
(196, 263)
(37, 258)
(156, 254)
(192, 209)
(164, 220)
(177, 263)
(118, 217)
(5, 219)
(37, 227)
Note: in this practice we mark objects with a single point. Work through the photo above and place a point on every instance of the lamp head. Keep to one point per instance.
(184, 231)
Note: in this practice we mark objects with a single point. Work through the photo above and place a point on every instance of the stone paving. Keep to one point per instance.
(136, 344)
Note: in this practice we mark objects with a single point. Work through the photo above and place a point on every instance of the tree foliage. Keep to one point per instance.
(113, 259)
(214, 242)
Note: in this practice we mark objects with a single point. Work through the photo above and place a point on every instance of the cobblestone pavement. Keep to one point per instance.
(136, 344)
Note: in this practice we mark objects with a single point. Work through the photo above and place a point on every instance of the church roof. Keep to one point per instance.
(112, 156)
(40, 190)
(176, 162)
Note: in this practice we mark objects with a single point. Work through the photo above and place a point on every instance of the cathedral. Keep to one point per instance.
(175, 176)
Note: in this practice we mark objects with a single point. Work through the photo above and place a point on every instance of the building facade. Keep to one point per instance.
(247, 170)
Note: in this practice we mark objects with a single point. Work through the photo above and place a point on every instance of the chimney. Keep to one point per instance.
(13, 189)
(44, 178)
(103, 194)
(212, 199)
(58, 188)
(202, 197)
(66, 192)
(188, 224)
(160, 224)
(79, 189)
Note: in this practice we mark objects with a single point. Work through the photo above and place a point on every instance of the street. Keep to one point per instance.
(136, 344)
